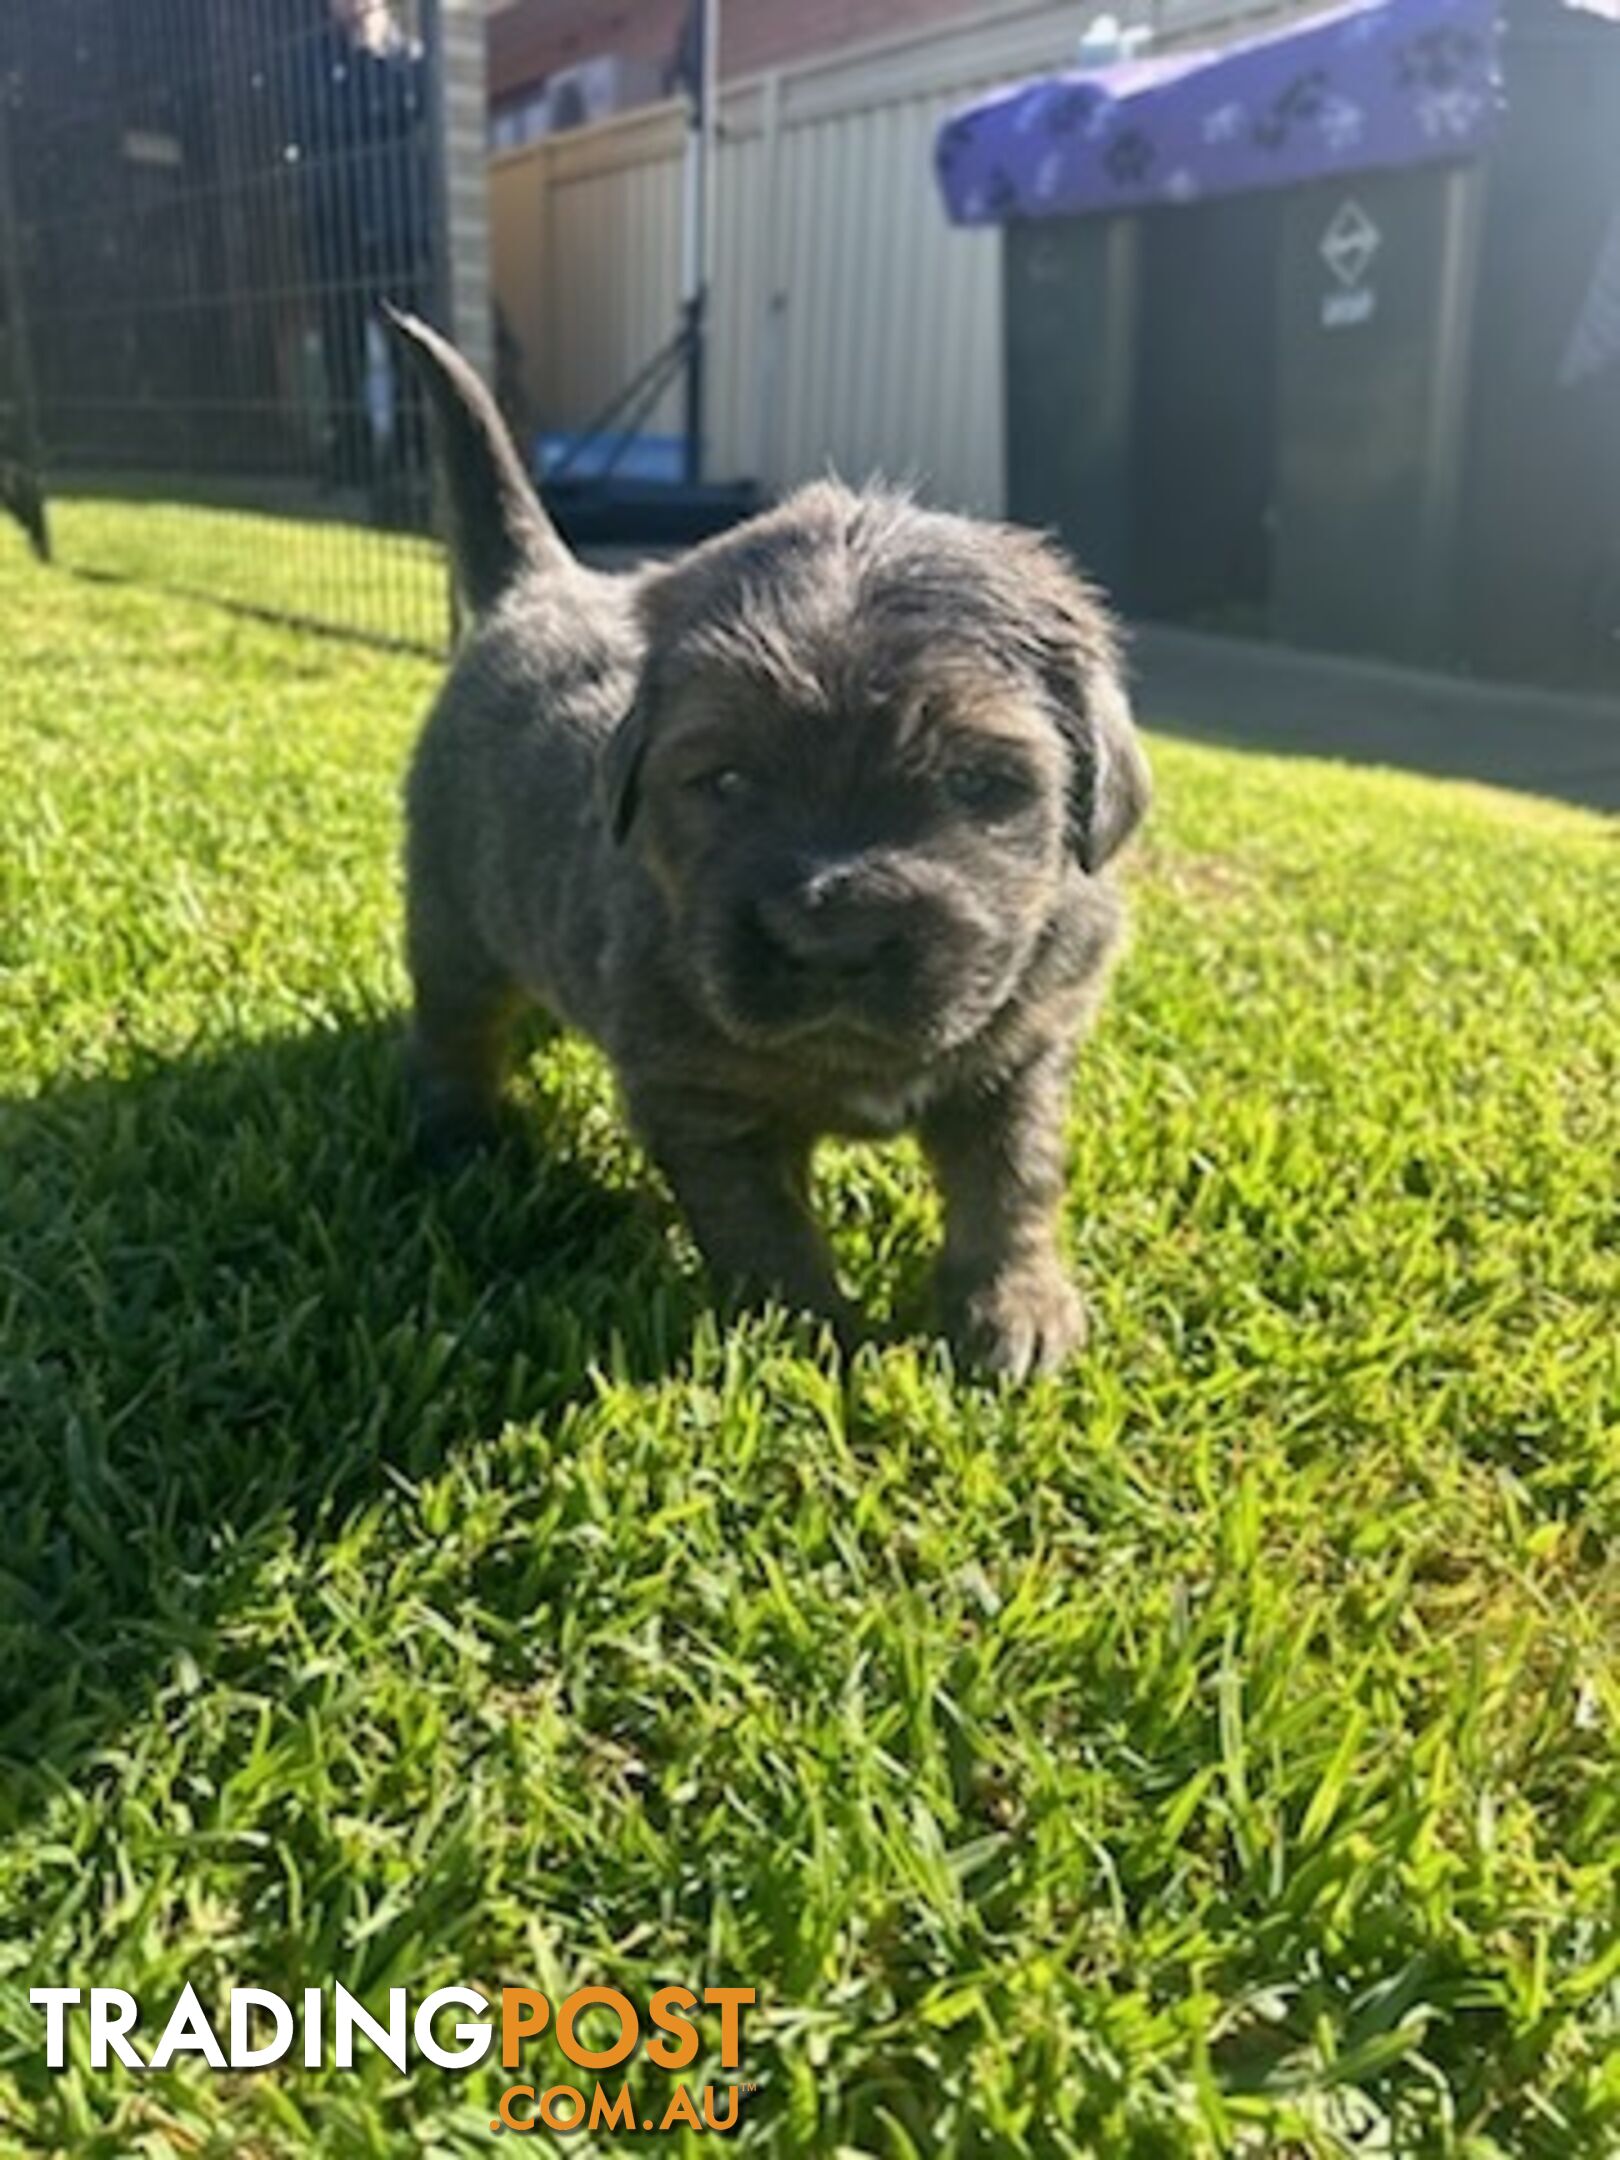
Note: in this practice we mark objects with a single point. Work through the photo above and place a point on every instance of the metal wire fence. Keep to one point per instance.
(201, 202)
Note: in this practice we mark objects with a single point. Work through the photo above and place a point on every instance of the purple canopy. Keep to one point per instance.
(1397, 82)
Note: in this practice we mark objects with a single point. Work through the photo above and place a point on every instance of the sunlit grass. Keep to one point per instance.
(408, 1582)
(323, 571)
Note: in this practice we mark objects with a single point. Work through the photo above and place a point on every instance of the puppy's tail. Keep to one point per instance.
(498, 531)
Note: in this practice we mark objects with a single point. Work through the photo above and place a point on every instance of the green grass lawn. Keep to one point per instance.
(407, 1582)
(385, 585)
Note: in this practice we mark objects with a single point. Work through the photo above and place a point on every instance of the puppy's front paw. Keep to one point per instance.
(448, 1130)
(446, 1145)
(1029, 1320)
(452, 1120)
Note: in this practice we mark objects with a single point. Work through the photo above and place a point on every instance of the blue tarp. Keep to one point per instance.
(1401, 82)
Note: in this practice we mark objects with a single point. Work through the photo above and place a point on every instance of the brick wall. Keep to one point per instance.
(461, 118)
(531, 39)
(768, 33)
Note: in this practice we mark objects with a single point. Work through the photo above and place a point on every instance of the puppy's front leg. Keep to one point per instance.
(746, 1197)
(1007, 1299)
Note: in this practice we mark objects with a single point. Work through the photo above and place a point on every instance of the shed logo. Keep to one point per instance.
(1348, 247)
(595, 2029)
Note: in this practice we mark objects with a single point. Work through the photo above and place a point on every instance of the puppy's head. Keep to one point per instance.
(870, 746)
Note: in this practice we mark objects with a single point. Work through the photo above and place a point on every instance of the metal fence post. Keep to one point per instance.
(29, 488)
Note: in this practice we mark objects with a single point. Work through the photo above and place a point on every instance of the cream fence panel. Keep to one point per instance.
(852, 328)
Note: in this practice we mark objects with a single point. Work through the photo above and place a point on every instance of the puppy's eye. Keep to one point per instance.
(724, 784)
(989, 791)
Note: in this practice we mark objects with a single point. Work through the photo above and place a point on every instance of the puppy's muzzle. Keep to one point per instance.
(839, 928)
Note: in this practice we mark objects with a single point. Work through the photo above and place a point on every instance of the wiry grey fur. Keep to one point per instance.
(808, 830)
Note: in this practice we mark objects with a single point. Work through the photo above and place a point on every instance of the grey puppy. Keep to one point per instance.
(807, 830)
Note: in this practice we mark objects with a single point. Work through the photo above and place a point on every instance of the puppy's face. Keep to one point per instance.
(865, 756)
(867, 869)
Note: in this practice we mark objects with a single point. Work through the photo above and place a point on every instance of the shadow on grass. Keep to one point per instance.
(233, 1307)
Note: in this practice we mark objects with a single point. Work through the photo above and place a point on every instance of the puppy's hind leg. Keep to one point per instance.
(459, 1025)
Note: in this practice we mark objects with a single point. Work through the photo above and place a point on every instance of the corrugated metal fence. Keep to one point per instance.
(852, 327)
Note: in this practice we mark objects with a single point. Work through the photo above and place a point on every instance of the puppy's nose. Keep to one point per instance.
(830, 924)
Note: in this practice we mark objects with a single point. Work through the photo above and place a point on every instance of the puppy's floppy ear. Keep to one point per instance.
(1080, 663)
(618, 772)
(1113, 786)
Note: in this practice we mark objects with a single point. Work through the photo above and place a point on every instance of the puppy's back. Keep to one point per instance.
(504, 823)
(505, 835)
